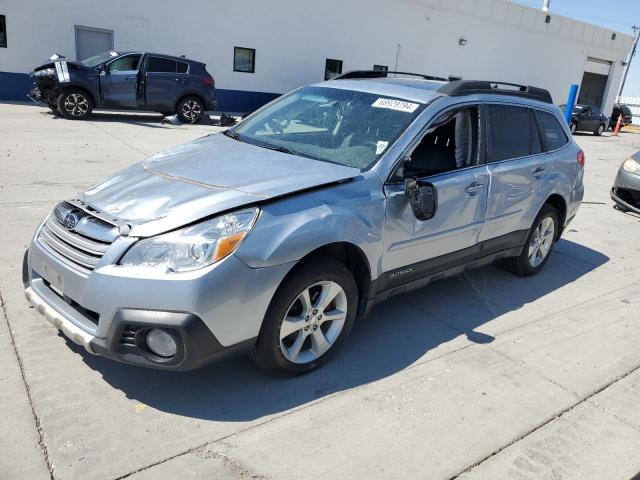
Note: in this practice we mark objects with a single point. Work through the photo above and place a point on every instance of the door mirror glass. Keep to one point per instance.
(423, 198)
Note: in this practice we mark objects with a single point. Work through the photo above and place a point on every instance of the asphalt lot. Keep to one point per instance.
(481, 376)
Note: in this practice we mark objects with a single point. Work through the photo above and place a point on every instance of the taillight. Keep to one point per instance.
(208, 81)
(580, 158)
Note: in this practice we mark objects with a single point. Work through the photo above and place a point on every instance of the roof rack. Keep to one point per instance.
(470, 87)
(355, 74)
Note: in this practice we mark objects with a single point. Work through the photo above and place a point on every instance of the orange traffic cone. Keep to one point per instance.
(618, 125)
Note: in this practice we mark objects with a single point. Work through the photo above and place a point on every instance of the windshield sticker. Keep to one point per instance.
(381, 147)
(395, 105)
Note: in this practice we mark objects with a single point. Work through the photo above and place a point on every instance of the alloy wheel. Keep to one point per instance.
(313, 322)
(541, 241)
(600, 129)
(76, 104)
(191, 110)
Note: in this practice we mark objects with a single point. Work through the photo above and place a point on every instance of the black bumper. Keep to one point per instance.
(622, 198)
(197, 346)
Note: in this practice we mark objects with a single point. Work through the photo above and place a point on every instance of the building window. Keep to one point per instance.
(244, 60)
(3, 31)
(332, 68)
(380, 68)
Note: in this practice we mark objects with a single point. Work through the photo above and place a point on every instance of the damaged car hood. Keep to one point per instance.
(204, 177)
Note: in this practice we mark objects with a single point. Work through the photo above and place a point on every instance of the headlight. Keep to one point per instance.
(631, 166)
(193, 247)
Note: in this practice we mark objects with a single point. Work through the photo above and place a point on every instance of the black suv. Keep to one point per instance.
(125, 80)
(627, 115)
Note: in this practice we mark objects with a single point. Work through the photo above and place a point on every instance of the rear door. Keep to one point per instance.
(161, 82)
(119, 81)
(517, 166)
(448, 155)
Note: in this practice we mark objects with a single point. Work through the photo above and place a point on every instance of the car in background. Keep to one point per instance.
(125, 81)
(627, 116)
(587, 118)
(626, 188)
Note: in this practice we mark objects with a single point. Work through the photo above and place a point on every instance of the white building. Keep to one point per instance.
(288, 43)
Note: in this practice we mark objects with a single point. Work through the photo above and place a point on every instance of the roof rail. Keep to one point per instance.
(470, 87)
(354, 74)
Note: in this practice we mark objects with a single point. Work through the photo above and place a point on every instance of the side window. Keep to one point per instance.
(553, 135)
(450, 143)
(161, 65)
(182, 67)
(509, 133)
(595, 111)
(125, 64)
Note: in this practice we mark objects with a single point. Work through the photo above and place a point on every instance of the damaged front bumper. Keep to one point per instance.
(626, 190)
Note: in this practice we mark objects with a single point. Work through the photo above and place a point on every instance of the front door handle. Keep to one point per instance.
(474, 188)
(538, 172)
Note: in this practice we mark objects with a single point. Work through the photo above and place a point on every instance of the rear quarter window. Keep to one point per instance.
(182, 67)
(553, 135)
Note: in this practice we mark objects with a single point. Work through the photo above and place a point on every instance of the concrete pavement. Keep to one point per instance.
(485, 375)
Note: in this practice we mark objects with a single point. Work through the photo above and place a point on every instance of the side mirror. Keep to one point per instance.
(423, 198)
(102, 69)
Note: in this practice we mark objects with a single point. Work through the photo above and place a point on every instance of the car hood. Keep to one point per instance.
(201, 178)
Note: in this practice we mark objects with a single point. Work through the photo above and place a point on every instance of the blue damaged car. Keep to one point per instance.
(274, 236)
(125, 81)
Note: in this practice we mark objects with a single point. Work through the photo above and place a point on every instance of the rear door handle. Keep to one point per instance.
(474, 188)
(538, 172)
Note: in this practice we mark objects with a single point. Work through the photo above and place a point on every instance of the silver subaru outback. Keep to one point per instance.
(272, 237)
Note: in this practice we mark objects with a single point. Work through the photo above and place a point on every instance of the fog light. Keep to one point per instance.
(161, 343)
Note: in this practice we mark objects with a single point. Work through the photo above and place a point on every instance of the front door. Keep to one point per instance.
(119, 81)
(449, 156)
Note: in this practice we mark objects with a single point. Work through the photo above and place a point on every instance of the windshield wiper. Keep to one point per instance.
(234, 135)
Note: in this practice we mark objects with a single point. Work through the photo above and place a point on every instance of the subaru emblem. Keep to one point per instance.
(70, 220)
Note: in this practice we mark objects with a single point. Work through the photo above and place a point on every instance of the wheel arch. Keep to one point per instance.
(190, 94)
(349, 254)
(80, 87)
(560, 204)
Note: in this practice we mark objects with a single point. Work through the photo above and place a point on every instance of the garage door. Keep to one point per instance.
(90, 41)
(594, 82)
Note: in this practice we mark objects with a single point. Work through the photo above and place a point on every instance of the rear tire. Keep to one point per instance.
(190, 110)
(539, 245)
(75, 104)
(302, 331)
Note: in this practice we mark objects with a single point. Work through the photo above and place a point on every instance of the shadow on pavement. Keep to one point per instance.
(395, 335)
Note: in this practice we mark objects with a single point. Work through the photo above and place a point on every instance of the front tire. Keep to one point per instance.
(75, 104)
(539, 244)
(190, 110)
(600, 130)
(310, 316)
(573, 127)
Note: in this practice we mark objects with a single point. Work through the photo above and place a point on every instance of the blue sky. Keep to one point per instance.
(617, 15)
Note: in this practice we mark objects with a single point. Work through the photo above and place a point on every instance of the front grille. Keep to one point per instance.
(128, 336)
(83, 245)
